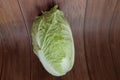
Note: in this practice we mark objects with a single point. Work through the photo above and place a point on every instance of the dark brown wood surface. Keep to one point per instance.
(96, 31)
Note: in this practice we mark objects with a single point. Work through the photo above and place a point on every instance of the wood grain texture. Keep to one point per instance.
(115, 39)
(14, 43)
(97, 32)
(96, 28)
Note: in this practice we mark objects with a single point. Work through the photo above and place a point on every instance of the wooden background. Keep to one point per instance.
(96, 30)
